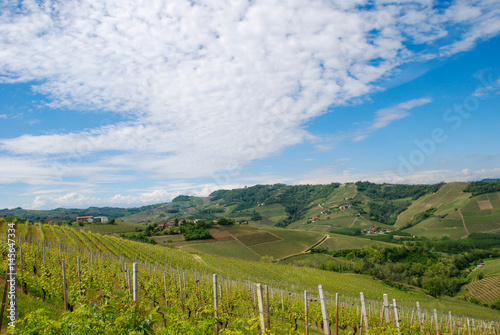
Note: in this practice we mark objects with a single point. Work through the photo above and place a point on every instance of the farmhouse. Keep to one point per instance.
(101, 219)
(84, 219)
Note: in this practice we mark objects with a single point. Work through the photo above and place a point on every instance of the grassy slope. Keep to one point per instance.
(457, 215)
(338, 242)
(490, 268)
(252, 242)
(486, 220)
(446, 199)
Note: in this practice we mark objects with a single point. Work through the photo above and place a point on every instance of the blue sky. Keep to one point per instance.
(128, 103)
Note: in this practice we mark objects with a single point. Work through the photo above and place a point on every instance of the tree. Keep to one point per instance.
(225, 222)
(256, 216)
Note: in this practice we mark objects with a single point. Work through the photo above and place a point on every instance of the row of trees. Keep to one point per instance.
(381, 192)
(481, 187)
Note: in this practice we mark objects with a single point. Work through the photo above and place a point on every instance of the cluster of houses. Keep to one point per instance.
(171, 223)
(375, 230)
(92, 219)
(329, 210)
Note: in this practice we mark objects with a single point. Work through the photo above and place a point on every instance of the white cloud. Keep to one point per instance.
(208, 86)
(331, 173)
(61, 198)
(386, 116)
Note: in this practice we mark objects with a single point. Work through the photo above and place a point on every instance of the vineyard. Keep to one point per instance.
(100, 284)
(484, 290)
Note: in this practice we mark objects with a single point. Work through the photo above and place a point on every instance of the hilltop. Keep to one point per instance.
(453, 210)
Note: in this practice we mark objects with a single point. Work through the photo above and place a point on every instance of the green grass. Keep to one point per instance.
(314, 260)
(435, 227)
(232, 249)
(240, 230)
(292, 242)
(272, 213)
(321, 228)
(339, 195)
(258, 238)
(104, 228)
(490, 268)
(339, 242)
(28, 303)
(168, 239)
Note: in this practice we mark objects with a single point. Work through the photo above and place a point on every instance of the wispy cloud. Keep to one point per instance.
(386, 116)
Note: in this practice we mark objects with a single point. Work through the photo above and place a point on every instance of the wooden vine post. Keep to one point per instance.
(128, 283)
(437, 322)
(268, 315)
(216, 304)
(396, 315)
(200, 300)
(181, 294)
(79, 274)
(386, 309)
(336, 314)
(260, 299)
(135, 271)
(282, 307)
(306, 311)
(165, 287)
(326, 326)
(364, 315)
(451, 323)
(65, 288)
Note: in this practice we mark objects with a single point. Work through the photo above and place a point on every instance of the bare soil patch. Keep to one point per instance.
(484, 204)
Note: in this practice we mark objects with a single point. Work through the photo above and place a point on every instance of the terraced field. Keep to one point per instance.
(487, 290)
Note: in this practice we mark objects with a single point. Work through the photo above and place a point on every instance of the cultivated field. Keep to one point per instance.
(482, 220)
(252, 242)
(487, 290)
(446, 199)
(338, 242)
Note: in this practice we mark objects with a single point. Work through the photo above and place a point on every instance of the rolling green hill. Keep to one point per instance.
(432, 211)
